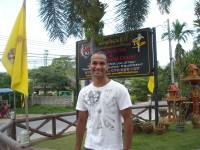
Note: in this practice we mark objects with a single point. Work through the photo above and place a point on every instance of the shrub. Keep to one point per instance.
(133, 99)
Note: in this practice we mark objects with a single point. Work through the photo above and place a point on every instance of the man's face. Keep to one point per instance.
(98, 65)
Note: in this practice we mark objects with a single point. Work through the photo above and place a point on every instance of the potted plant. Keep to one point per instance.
(163, 117)
(147, 127)
(180, 114)
(180, 120)
(163, 112)
(137, 125)
(159, 129)
(195, 118)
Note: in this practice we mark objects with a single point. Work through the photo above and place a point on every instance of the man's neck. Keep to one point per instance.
(100, 82)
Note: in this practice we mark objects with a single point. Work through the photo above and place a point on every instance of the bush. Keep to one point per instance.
(133, 99)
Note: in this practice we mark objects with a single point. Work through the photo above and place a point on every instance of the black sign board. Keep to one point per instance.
(129, 54)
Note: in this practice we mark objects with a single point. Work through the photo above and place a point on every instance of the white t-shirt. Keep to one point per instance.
(104, 125)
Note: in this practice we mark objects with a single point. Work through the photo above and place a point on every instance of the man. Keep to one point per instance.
(102, 106)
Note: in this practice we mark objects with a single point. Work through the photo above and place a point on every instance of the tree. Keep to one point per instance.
(5, 80)
(164, 79)
(179, 34)
(138, 88)
(65, 18)
(197, 22)
(42, 77)
(66, 67)
(194, 55)
(59, 76)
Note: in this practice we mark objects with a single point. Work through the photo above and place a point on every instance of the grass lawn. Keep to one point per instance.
(46, 109)
(170, 140)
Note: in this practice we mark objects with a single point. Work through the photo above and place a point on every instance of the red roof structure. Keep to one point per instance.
(173, 87)
(193, 66)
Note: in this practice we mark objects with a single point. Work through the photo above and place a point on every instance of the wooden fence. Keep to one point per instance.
(8, 130)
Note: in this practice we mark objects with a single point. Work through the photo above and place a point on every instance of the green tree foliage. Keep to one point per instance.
(179, 33)
(5, 80)
(193, 56)
(65, 18)
(59, 76)
(164, 79)
(91, 13)
(129, 19)
(60, 19)
(137, 87)
(66, 67)
(197, 22)
(42, 77)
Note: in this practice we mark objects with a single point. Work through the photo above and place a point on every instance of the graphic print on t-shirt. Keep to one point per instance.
(102, 108)
(92, 98)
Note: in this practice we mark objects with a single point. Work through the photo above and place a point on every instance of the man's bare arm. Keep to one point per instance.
(128, 127)
(80, 128)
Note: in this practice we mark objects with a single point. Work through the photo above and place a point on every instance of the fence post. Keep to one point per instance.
(13, 131)
(54, 127)
(3, 146)
(150, 106)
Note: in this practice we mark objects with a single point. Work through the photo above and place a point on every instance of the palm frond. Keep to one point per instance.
(131, 14)
(60, 19)
(164, 6)
(180, 32)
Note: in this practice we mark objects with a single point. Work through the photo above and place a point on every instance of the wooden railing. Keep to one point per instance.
(8, 140)
(145, 108)
(48, 118)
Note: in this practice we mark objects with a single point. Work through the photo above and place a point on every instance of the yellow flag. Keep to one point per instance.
(151, 84)
(14, 57)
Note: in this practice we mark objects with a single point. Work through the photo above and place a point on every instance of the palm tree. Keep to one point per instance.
(197, 22)
(179, 33)
(65, 18)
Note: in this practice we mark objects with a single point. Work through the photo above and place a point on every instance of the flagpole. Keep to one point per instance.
(15, 104)
(26, 97)
(26, 134)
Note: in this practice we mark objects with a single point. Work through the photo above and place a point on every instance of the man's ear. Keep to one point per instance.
(89, 66)
(107, 68)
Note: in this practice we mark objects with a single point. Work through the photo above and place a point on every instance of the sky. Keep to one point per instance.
(39, 46)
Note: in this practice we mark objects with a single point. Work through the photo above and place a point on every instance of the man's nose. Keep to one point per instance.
(98, 66)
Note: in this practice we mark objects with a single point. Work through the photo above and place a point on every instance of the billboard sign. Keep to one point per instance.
(129, 54)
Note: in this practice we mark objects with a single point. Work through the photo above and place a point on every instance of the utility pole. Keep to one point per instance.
(170, 53)
(34, 64)
(45, 57)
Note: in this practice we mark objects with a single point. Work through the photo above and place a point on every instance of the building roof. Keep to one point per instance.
(193, 66)
(5, 90)
(173, 88)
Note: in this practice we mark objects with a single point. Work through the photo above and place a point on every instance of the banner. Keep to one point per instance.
(129, 54)
(151, 84)
(14, 57)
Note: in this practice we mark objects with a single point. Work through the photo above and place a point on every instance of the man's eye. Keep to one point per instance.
(102, 63)
(94, 63)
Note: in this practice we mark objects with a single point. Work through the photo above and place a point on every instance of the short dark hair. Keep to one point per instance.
(99, 52)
